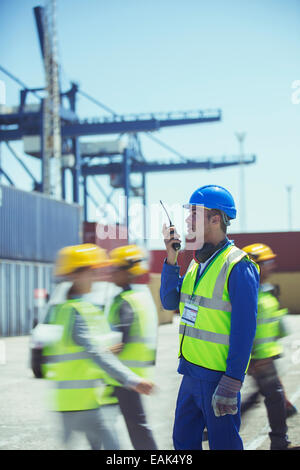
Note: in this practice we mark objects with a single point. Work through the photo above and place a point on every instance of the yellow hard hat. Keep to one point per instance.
(259, 252)
(130, 257)
(71, 258)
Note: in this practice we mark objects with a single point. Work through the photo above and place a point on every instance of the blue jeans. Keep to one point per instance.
(194, 412)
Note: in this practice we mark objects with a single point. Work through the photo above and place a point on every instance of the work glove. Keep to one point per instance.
(224, 399)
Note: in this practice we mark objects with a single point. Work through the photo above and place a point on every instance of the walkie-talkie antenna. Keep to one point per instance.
(171, 225)
(176, 246)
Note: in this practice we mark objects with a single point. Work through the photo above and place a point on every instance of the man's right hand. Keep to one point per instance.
(170, 236)
(116, 348)
(145, 387)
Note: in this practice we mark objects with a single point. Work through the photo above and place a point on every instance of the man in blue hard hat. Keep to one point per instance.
(217, 300)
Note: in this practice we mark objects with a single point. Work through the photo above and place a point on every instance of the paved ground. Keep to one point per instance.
(25, 422)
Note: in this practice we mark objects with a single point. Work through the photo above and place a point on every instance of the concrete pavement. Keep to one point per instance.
(26, 424)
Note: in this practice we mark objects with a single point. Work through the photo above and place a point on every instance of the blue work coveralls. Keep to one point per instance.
(194, 411)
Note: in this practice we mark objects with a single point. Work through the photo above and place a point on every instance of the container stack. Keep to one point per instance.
(33, 227)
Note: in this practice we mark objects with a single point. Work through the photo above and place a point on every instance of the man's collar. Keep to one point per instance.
(208, 249)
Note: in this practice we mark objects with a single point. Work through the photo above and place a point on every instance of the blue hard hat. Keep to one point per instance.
(213, 197)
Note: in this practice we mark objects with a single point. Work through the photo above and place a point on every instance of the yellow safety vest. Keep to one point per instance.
(79, 383)
(268, 326)
(204, 340)
(139, 352)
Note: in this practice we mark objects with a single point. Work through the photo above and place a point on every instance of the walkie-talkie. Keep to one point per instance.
(176, 246)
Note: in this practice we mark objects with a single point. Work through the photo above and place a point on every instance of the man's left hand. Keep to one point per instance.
(224, 399)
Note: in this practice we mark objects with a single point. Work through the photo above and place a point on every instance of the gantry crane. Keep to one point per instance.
(51, 132)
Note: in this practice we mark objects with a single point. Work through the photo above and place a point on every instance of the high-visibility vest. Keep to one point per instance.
(206, 342)
(78, 382)
(139, 352)
(268, 332)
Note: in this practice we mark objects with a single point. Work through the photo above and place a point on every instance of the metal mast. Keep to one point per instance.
(241, 138)
(52, 179)
(289, 194)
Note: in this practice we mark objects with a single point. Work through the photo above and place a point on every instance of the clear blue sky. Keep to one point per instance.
(166, 55)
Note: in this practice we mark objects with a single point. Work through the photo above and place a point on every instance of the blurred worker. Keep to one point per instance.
(76, 362)
(217, 299)
(136, 318)
(266, 348)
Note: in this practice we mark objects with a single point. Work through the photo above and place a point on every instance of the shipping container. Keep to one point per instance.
(284, 244)
(33, 226)
(20, 307)
(106, 236)
(287, 268)
(110, 237)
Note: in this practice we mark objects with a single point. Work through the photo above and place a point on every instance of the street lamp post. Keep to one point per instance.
(289, 194)
(241, 137)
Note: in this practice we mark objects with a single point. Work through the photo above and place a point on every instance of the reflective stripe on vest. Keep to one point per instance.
(139, 352)
(217, 304)
(78, 382)
(65, 357)
(192, 332)
(261, 321)
(206, 342)
(269, 339)
(140, 339)
(132, 363)
(268, 330)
